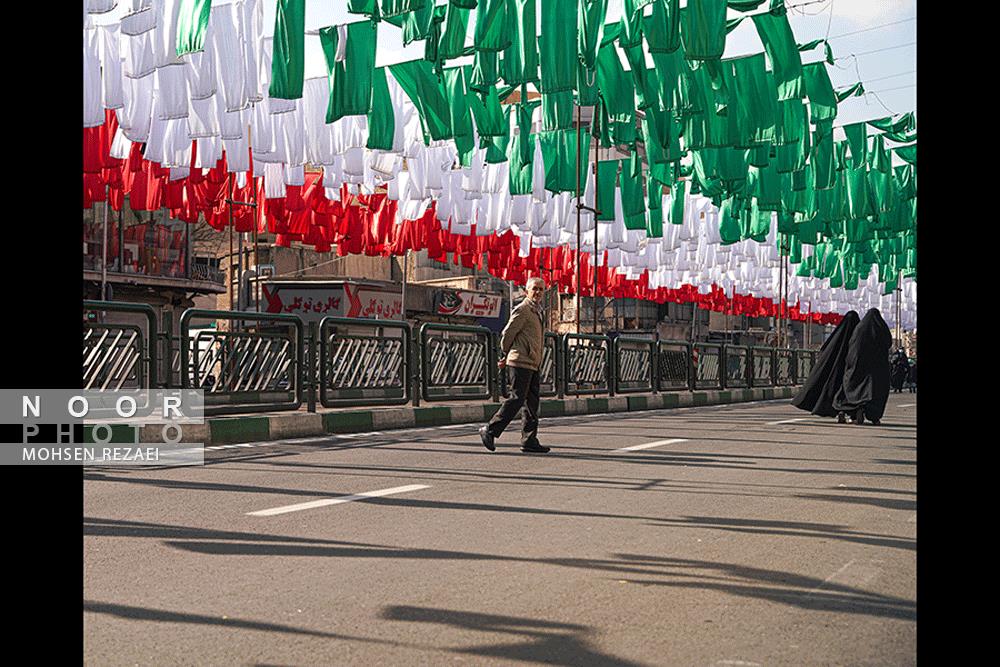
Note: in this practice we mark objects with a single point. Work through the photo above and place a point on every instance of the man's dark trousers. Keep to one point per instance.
(525, 385)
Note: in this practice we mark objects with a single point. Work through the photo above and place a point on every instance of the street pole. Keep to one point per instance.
(406, 267)
(597, 208)
(579, 267)
(229, 205)
(104, 247)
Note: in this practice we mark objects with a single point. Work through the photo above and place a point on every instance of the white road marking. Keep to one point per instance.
(787, 421)
(337, 501)
(908, 405)
(450, 426)
(650, 445)
(742, 663)
(830, 578)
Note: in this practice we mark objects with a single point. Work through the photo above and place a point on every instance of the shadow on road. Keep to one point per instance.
(543, 641)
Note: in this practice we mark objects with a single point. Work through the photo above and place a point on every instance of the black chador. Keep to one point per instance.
(865, 388)
(816, 396)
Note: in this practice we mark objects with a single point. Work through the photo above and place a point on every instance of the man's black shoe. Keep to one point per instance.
(487, 438)
(535, 448)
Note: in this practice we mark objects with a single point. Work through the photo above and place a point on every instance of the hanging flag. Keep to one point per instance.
(192, 23)
(288, 61)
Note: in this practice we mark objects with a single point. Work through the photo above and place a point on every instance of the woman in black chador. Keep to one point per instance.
(865, 388)
(816, 396)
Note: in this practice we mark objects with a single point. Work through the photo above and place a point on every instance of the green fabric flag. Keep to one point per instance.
(902, 137)
(907, 153)
(654, 210)
(590, 20)
(758, 95)
(857, 193)
(456, 24)
(421, 85)
(493, 26)
(433, 41)
(764, 184)
(677, 202)
(465, 4)
(671, 72)
(350, 78)
(559, 158)
(459, 115)
(703, 29)
(880, 186)
(487, 111)
(366, 7)
(192, 22)
(557, 110)
(779, 42)
(289, 56)
(381, 118)
(607, 179)
(878, 156)
(822, 99)
(857, 90)
(416, 23)
(645, 80)
(557, 44)
(662, 28)
(904, 123)
(520, 59)
(521, 151)
(857, 140)
(816, 42)
(790, 122)
(485, 74)
(615, 85)
(496, 147)
(633, 196)
(399, 7)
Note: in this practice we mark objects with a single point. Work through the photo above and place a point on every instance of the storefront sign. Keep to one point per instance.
(467, 304)
(314, 302)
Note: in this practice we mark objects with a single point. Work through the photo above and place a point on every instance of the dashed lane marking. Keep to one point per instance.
(285, 509)
(650, 445)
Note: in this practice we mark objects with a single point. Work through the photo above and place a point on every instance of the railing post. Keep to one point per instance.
(612, 365)
(416, 356)
(167, 324)
(654, 380)
(310, 370)
(560, 362)
(492, 358)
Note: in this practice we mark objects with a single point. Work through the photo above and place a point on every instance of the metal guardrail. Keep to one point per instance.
(265, 361)
(549, 369)
(252, 368)
(635, 364)
(119, 356)
(674, 366)
(359, 369)
(737, 360)
(458, 362)
(707, 361)
(761, 366)
(784, 367)
(804, 362)
(587, 363)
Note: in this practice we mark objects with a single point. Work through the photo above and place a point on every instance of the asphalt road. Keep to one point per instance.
(741, 538)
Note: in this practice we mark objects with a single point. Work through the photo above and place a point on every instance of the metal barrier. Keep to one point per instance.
(673, 365)
(762, 366)
(120, 356)
(549, 370)
(458, 359)
(804, 362)
(248, 368)
(363, 369)
(706, 360)
(635, 364)
(587, 364)
(784, 367)
(737, 359)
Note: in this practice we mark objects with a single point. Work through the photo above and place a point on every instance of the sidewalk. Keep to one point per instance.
(264, 426)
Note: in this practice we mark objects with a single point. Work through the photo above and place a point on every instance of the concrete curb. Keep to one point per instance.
(277, 426)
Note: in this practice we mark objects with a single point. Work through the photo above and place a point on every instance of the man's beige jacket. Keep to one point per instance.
(522, 341)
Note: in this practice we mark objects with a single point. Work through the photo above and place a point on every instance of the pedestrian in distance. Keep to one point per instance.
(522, 345)
(865, 388)
(900, 369)
(827, 375)
(911, 379)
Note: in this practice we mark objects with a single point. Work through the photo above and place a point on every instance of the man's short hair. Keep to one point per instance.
(534, 279)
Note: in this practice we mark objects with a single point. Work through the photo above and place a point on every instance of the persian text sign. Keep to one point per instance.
(468, 304)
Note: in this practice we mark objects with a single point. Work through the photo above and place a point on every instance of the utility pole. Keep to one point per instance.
(579, 267)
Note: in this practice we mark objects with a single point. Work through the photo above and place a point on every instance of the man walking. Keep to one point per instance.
(522, 345)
